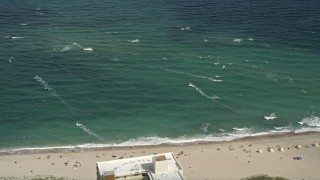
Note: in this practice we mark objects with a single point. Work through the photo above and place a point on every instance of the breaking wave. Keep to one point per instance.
(69, 47)
(312, 121)
(185, 28)
(134, 41)
(224, 135)
(66, 48)
(237, 40)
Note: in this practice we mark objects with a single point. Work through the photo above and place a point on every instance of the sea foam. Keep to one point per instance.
(312, 121)
(43, 82)
(66, 48)
(50, 89)
(134, 41)
(272, 116)
(69, 47)
(237, 133)
(88, 131)
(185, 28)
(203, 93)
(237, 40)
(16, 37)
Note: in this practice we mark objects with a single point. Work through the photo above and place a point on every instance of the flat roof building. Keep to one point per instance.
(153, 167)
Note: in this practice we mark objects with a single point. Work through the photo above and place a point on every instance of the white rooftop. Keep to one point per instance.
(139, 165)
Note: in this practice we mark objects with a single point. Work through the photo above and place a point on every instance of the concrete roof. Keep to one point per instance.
(139, 165)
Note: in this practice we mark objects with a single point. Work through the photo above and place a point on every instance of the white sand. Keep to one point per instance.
(234, 160)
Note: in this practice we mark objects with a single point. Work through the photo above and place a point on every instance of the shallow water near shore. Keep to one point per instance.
(121, 73)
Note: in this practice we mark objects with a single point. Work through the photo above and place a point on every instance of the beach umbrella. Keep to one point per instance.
(271, 149)
(298, 146)
(281, 149)
(260, 151)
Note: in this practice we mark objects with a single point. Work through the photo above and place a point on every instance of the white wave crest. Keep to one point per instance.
(83, 48)
(10, 59)
(134, 41)
(280, 128)
(250, 39)
(16, 37)
(237, 40)
(87, 49)
(153, 140)
(197, 76)
(185, 28)
(88, 131)
(67, 48)
(270, 117)
(43, 82)
(202, 93)
(313, 121)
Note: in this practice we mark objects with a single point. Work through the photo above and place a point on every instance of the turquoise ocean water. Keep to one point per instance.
(124, 73)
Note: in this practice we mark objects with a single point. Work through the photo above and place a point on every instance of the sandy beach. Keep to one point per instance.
(222, 160)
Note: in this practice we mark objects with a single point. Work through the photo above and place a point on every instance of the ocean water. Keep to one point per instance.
(125, 73)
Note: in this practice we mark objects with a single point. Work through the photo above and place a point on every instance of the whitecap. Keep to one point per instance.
(66, 48)
(237, 40)
(272, 116)
(23, 24)
(280, 128)
(134, 41)
(216, 63)
(87, 49)
(313, 121)
(69, 47)
(16, 37)
(10, 59)
(185, 28)
(250, 39)
(242, 132)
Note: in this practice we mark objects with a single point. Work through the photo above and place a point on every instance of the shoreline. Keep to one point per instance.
(214, 160)
(101, 147)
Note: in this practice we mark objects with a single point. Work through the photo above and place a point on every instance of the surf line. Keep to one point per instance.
(194, 75)
(88, 131)
(213, 98)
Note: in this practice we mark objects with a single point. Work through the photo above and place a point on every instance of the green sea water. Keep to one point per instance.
(125, 73)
